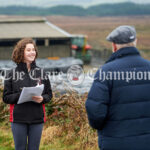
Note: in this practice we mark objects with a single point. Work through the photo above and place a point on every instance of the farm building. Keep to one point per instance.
(50, 39)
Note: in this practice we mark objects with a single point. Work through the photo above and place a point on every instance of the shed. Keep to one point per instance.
(51, 40)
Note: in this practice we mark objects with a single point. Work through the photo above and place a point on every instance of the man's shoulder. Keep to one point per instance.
(119, 64)
(108, 66)
(146, 60)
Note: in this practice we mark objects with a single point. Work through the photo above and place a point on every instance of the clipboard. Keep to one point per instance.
(28, 92)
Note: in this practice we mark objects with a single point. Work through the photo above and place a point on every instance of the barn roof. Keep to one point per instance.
(35, 27)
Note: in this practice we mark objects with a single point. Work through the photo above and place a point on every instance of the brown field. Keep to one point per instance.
(97, 28)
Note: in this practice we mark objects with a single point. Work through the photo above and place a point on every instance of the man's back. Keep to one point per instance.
(120, 107)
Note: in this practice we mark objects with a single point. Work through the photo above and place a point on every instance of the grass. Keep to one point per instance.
(66, 128)
(6, 142)
(6, 139)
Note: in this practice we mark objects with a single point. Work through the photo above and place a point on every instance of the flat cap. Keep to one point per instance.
(122, 35)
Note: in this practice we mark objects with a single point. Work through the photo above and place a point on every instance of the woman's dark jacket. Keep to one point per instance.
(29, 112)
(119, 108)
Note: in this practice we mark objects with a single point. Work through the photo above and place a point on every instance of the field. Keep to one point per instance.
(97, 29)
(67, 125)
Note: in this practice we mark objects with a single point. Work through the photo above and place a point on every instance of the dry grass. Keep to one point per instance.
(69, 120)
(4, 109)
(67, 126)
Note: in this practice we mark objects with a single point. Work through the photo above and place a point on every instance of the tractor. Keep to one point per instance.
(81, 49)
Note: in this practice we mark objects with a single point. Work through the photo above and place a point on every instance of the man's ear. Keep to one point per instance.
(114, 47)
(135, 42)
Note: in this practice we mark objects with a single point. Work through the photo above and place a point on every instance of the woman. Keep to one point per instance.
(27, 118)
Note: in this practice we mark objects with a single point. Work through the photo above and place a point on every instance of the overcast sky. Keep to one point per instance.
(48, 3)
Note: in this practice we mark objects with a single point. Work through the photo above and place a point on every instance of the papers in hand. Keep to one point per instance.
(28, 92)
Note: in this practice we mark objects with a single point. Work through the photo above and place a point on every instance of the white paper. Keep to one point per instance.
(28, 92)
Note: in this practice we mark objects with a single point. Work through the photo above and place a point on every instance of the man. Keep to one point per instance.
(118, 104)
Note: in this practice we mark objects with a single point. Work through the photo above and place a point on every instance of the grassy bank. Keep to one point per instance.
(66, 128)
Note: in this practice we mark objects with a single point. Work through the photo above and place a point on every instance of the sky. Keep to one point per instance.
(49, 3)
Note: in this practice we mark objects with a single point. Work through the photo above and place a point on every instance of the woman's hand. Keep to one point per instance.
(37, 99)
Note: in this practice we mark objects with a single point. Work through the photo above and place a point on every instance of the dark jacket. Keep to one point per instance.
(29, 112)
(119, 108)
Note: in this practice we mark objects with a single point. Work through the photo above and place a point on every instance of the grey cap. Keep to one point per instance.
(122, 35)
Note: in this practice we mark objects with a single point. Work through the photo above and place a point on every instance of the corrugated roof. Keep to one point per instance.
(29, 27)
(12, 19)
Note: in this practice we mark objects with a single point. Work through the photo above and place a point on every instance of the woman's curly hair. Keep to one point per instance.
(18, 52)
